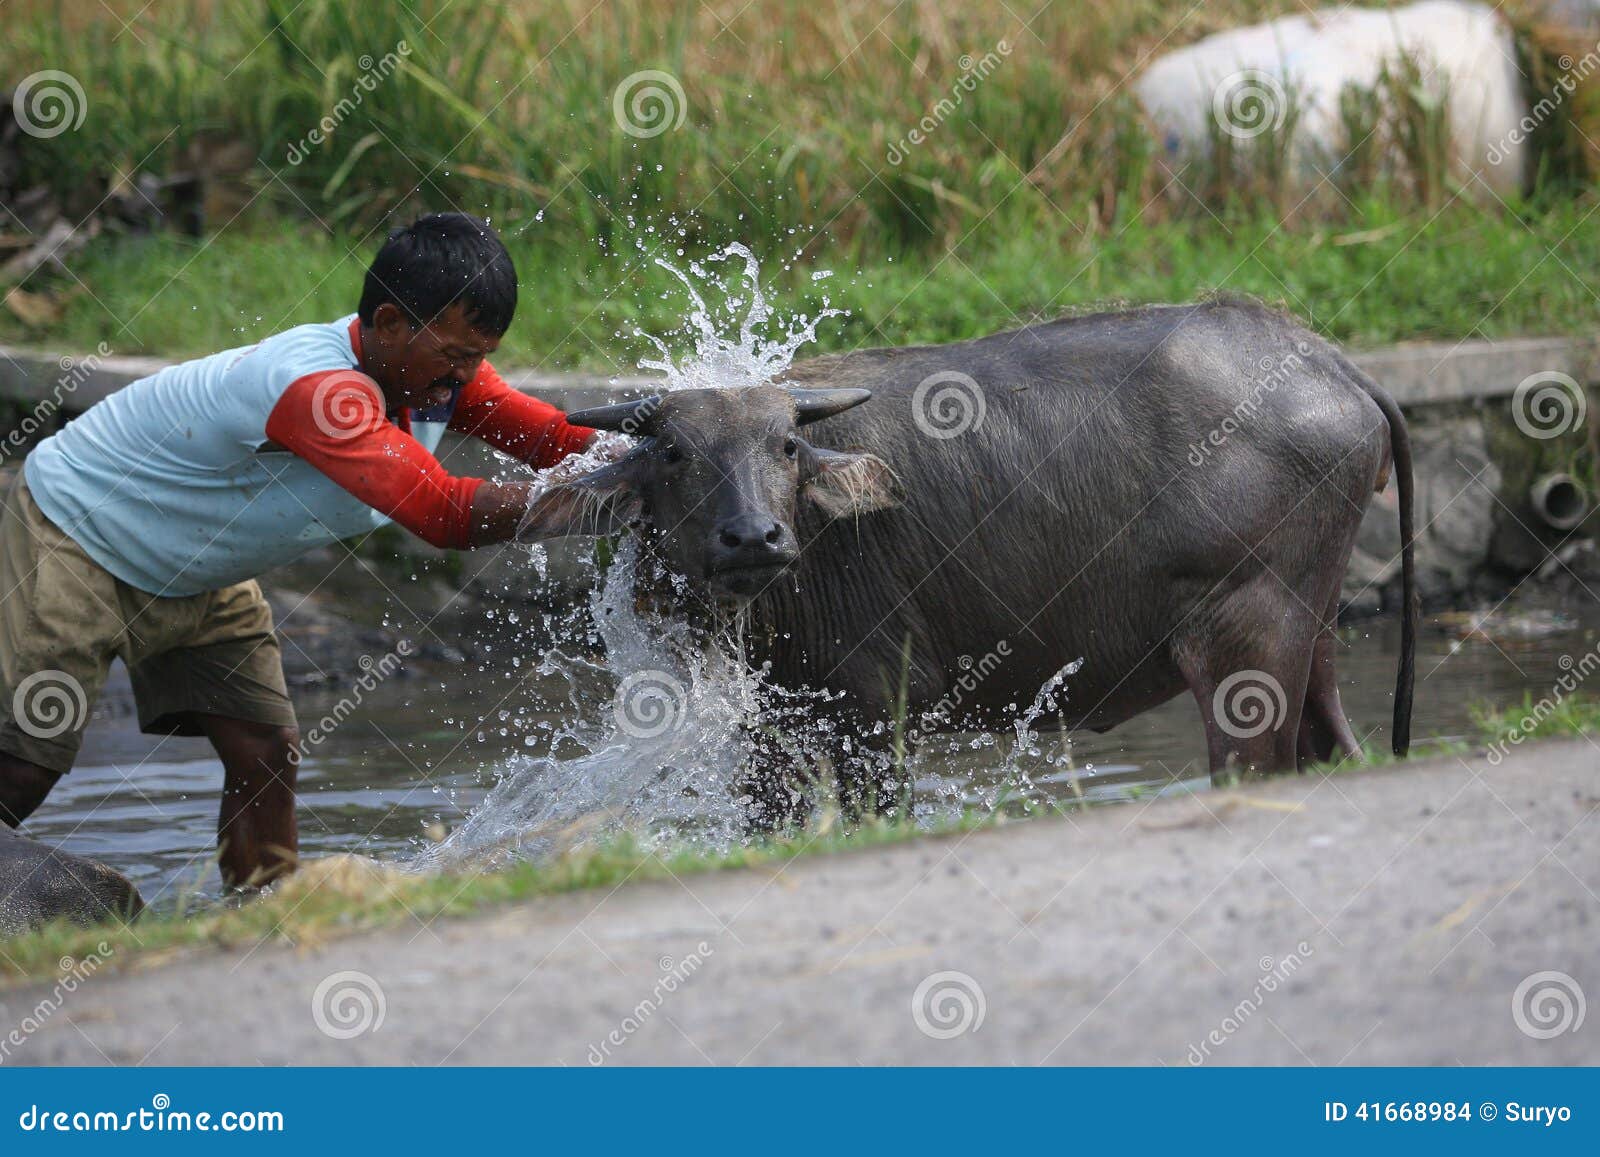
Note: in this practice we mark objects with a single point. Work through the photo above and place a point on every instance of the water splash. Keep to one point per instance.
(1027, 756)
(662, 757)
(1049, 701)
(751, 355)
(1000, 770)
(610, 764)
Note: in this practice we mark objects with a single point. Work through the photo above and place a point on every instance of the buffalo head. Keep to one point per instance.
(720, 478)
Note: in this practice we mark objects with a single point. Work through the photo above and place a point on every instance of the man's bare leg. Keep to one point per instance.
(257, 834)
(23, 786)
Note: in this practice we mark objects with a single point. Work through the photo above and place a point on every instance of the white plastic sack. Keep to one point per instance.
(1242, 78)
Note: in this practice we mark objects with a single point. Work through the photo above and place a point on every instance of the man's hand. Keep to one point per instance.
(549, 506)
(606, 446)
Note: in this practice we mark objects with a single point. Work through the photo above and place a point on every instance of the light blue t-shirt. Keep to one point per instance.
(164, 483)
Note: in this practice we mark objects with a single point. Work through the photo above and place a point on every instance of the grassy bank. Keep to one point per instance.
(1037, 192)
(336, 897)
(341, 895)
(1463, 273)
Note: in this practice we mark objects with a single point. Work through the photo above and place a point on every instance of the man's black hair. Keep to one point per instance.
(438, 260)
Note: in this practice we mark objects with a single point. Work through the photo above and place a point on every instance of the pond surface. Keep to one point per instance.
(422, 749)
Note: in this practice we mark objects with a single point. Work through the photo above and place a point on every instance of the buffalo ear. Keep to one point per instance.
(599, 503)
(848, 482)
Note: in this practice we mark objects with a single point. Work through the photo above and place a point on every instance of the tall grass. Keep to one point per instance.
(791, 108)
(1038, 190)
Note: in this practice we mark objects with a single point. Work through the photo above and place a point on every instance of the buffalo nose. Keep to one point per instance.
(753, 536)
(750, 531)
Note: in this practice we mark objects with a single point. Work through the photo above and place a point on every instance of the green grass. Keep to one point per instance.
(1498, 728)
(1038, 193)
(788, 109)
(1546, 718)
(339, 896)
(1465, 273)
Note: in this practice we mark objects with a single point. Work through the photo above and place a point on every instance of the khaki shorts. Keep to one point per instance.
(63, 617)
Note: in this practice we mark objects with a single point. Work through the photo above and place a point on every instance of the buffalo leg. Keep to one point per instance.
(878, 789)
(776, 794)
(773, 805)
(1324, 729)
(869, 773)
(1247, 665)
(780, 779)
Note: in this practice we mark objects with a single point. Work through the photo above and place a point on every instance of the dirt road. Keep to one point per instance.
(1381, 917)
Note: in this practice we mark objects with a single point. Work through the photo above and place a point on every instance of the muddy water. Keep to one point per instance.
(423, 749)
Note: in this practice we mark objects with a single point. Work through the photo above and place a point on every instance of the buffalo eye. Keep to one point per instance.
(790, 447)
(674, 455)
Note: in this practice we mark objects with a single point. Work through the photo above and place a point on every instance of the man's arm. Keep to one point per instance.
(498, 509)
(335, 421)
(529, 430)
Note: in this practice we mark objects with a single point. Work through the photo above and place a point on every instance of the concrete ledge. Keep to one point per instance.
(1424, 372)
(79, 381)
(1416, 374)
(575, 391)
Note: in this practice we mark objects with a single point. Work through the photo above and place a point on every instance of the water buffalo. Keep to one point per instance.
(40, 884)
(1169, 494)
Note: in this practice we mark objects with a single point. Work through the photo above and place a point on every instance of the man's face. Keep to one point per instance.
(420, 366)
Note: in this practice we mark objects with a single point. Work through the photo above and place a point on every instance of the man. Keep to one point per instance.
(138, 530)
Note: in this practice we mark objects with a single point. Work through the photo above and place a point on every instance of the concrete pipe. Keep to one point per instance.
(1560, 501)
